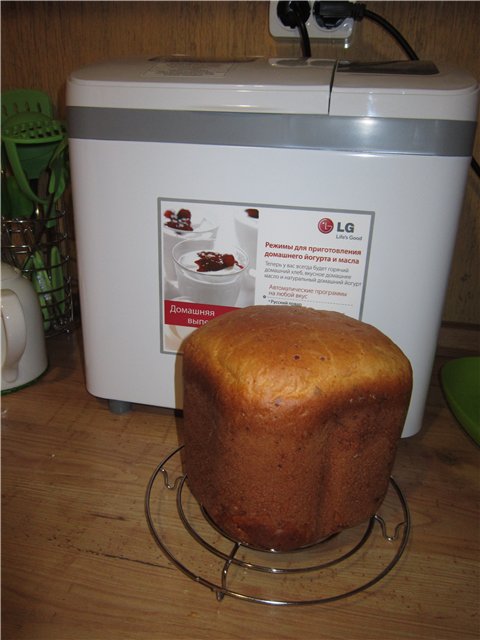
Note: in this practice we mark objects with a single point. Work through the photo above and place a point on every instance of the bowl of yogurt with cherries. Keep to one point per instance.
(209, 272)
(178, 226)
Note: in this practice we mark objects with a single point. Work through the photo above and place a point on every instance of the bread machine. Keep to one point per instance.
(323, 183)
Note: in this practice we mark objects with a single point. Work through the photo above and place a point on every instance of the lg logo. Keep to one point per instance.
(326, 225)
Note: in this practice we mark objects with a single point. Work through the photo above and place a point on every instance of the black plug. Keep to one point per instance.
(291, 13)
(331, 14)
(295, 15)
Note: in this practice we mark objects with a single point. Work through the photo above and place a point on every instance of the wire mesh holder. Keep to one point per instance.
(306, 564)
(39, 248)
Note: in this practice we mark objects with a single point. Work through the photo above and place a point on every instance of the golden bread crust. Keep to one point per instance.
(291, 421)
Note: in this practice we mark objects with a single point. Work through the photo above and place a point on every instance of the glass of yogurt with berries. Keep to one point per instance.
(209, 272)
(178, 226)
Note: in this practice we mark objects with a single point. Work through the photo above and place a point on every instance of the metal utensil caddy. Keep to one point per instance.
(35, 234)
(41, 252)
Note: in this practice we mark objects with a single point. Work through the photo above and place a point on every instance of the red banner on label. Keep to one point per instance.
(192, 314)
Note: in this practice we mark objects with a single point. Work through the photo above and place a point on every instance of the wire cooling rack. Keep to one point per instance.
(335, 568)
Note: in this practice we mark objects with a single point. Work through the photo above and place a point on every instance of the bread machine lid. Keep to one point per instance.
(178, 83)
(410, 108)
(403, 89)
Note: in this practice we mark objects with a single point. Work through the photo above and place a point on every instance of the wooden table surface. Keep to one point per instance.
(79, 561)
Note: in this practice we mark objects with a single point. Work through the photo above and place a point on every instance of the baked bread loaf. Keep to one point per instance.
(291, 421)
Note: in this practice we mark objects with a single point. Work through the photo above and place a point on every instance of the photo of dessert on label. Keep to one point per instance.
(208, 253)
(178, 225)
(209, 272)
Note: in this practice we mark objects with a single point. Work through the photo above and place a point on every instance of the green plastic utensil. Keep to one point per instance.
(25, 112)
(6, 209)
(33, 132)
(461, 384)
(31, 139)
(18, 204)
(58, 288)
(29, 146)
(49, 283)
(58, 168)
(58, 176)
(41, 284)
(21, 100)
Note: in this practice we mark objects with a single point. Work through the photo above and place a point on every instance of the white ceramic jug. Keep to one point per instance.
(24, 353)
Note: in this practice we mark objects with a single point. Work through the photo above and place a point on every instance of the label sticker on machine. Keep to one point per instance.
(217, 256)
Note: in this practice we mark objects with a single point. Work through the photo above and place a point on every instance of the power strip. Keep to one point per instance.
(343, 32)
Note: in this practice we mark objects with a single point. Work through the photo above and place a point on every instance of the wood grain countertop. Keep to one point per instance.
(79, 560)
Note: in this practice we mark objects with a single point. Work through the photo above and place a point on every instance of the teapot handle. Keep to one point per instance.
(14, 334)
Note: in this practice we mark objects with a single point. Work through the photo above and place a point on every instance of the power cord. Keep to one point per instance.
(475, 167)
(295, 16)
(358, 11)
(336, 9)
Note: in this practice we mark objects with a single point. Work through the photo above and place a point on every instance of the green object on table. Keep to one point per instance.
(461, 383)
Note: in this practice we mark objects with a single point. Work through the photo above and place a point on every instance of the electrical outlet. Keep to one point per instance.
(341, 32)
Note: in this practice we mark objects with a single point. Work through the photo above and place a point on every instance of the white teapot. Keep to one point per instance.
(24, 353)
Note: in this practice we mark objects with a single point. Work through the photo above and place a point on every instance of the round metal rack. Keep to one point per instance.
(335, 568)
